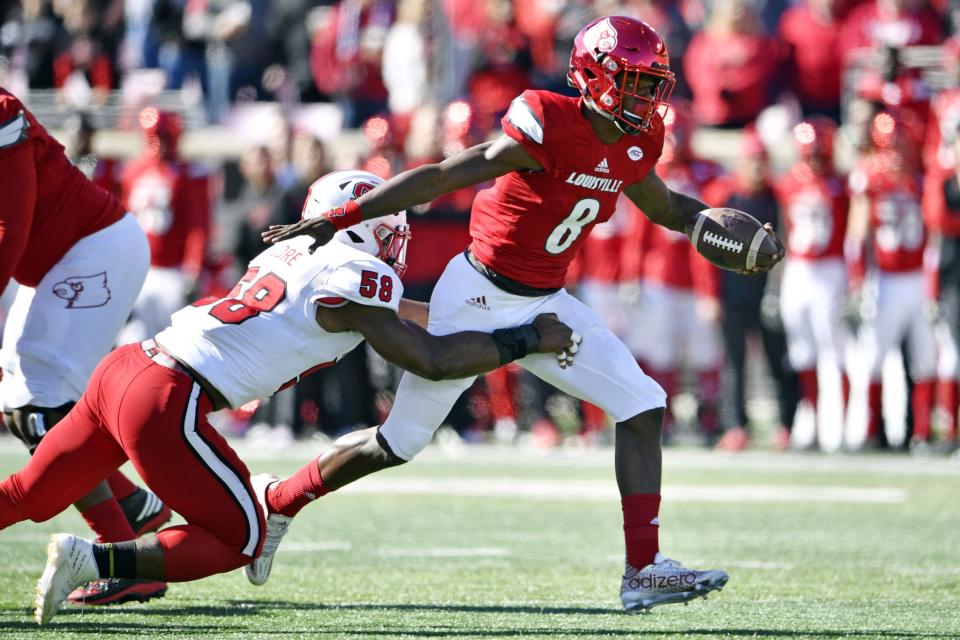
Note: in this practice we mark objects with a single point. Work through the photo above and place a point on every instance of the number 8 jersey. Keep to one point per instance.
(529, 225)
(264, 335)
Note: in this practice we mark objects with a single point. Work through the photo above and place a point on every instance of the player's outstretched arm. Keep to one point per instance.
(458, 355)
(663, 206)
(422, 184)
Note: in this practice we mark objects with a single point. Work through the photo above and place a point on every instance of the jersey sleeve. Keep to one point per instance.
(18, 184)
(14, 125)
(524, 122)
(368, 282)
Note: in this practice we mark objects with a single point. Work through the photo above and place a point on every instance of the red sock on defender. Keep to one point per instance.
(120, 485)
(288, 496)
(108, 522)
(641, 527)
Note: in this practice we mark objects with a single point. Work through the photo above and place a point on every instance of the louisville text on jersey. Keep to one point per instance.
(593, 182)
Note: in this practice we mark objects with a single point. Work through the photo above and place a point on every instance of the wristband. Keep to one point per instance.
(345, 216)
(515, 343)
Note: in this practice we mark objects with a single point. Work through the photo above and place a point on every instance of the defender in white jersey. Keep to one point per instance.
(292, 312)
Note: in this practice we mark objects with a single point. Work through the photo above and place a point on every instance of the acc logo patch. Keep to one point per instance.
(635, 153)
(84, 292)
(601, 36)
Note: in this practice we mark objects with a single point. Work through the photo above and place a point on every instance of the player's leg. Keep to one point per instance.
(948, 391)
(882, 328)
(606, 374)
(663, 336)
(703, 352)
(797, 309)
(56, 335)
(922, 347)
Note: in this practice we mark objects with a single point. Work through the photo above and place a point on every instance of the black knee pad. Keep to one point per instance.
(29, 424)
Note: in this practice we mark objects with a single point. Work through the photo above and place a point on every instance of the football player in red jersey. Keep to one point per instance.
(814, 203)
(80, 260)
(559, 170)
(292, 313)
(886, 230)
(170, 200)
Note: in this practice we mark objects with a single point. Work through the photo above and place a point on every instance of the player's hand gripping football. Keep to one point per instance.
(775, 258)
(556, 337)
(319, 228)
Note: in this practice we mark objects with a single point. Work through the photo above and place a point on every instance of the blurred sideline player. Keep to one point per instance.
(549, 193)
(680, 288)
(170, 200)
(292, 313)
(887, 239)
(80, 260)
(814, 205)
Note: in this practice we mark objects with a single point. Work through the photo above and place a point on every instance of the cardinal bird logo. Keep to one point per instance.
(601, 36)
(84, 292)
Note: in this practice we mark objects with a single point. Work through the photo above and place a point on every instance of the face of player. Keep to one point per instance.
(636, 90)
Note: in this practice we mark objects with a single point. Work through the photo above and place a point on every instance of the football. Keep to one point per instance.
(735, 240)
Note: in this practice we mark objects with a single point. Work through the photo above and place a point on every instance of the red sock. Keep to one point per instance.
(108, 522)
(948, 396)
(809, 389)
(120, 485)
(641, 527)
(874, 409)
(288, 496)
(594, 418)
(922, 404)
(845, 388)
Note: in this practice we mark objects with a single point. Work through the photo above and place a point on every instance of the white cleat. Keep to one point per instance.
(666, 581)
(70, 564)
(258, 571)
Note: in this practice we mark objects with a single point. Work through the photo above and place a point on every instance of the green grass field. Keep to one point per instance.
(510, 543)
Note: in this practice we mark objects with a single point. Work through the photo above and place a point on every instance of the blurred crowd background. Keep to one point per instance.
(836, 120)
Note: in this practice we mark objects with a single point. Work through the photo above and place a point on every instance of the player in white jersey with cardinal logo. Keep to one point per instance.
(291, 313)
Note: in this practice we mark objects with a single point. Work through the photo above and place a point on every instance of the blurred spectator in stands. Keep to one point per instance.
(677, 324)
(731, 66)
(537, 21)
(280, 146)
(748, 306)
(889, 23)
(78, 133)
(941, 209)
(811, 33)
(886, 241)
(383, 156)
(347, 57)
(309, 158)
(28, 35)
(665, 17)
(83, 72)
(257, 206)
(502, 75)
(406, 63)
(171, 199)
(814, 203)
(289, 26)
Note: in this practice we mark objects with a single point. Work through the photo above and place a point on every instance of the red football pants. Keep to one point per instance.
(155, 416)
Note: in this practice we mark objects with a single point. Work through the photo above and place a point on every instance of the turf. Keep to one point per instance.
(857, 547)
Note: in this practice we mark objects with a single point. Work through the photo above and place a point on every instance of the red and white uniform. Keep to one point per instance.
(79, 258)
(144, 406)
(527, 228)
(814, 208)
(673, 277)
(938, 152)
(895, 292)
(171, 202)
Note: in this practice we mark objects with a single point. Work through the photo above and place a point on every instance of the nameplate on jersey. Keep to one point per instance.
(593, 182)
(13, 130)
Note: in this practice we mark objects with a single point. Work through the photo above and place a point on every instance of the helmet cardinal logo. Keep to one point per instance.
(361, 188)
(602, 37)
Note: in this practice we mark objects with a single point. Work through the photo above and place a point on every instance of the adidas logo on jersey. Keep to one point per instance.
(480, 302)
(603, 167)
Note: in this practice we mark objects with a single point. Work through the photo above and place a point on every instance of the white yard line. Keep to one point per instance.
(561, 490)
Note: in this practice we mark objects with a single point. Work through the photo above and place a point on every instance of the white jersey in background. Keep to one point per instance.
(264, 334)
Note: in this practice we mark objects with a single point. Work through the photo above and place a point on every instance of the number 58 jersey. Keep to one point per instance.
(264, 335)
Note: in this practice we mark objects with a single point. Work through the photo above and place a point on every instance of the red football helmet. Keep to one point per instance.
(612, 61)
(679, 126)
(161, 131)
(813, 138)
